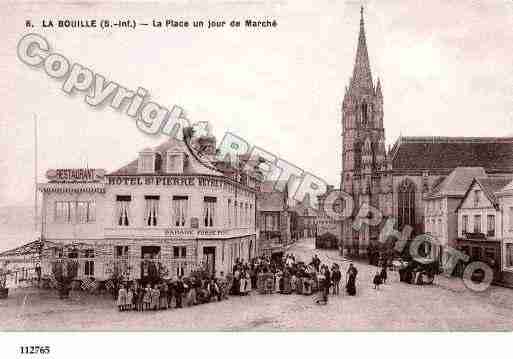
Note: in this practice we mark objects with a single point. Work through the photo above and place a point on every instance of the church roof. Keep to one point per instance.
(419, 153)
(457, 182)
(191, 166)
(362, 76)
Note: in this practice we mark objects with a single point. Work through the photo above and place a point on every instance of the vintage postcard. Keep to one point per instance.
(256, 166)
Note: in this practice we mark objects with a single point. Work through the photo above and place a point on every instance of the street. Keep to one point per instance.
(446, 305)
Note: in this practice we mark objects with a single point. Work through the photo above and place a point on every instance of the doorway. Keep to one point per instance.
(209, 258)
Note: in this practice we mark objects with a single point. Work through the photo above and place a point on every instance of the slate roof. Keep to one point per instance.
(191, 165)
(417, 153)
(457, 182)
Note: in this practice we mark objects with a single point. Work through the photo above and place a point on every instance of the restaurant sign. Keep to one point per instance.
(75, 174)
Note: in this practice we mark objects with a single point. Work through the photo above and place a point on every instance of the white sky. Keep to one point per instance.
(446, 69)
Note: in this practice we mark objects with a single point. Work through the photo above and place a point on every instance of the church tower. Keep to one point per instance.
(363, 141)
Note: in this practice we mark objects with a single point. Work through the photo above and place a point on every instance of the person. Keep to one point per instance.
(336, 277)
(122, 296)
(163, 296)
(377, 280)
(129, 298)
(147, 297)
(327, 282)
(155, 297)
(351, 280)
(38, 272)
(140, 298)
(384, 274)
(171, 288)
(179, 290)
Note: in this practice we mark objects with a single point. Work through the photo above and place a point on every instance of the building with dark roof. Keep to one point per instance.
(397, 181)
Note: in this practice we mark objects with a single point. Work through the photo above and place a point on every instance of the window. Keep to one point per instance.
(477, 223)
(251, 215)
(64, 212)
(364, 115)
(85, 212)
(509, 255)
(179, 210)
(490, 225)
(229, 216)
(241, 215)
(209, 205)
(477, 194)
(152, 209)
(511, 218)
(179, 251)
(123, 210)
(246, 217)
(89, 264)
(406, 205)
(146, 162)
(180, 269)
(121, 251)
(235, 214)
(464, 224)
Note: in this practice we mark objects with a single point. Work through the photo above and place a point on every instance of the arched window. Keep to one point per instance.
(406, 204)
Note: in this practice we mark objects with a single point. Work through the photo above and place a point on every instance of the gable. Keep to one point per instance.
(468, 201)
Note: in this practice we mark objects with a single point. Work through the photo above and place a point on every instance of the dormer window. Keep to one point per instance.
(174, 161)
(146, 161)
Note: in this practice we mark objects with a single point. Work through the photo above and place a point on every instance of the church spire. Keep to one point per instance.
(362, 77)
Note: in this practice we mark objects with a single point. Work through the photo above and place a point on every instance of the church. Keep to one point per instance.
(397, 180)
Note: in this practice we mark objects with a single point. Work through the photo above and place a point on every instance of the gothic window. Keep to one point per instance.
(406, 204)
(374, 149)
(364, 115)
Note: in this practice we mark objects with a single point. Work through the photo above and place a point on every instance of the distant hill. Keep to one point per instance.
(16, 226)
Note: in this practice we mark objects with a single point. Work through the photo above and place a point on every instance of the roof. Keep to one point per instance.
(191, 166)
(362, 76)
(274, 186)
(418, 153)
(271, 201)
(490, 186)
(304, 208)
(457, 182)
(507, 188)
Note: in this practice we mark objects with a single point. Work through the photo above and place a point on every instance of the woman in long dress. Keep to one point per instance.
(351, 283)
(122, 296)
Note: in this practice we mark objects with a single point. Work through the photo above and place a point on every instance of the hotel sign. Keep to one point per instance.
(165, 181)
(75, 174)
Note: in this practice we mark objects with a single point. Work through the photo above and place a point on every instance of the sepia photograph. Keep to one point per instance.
(268, 166)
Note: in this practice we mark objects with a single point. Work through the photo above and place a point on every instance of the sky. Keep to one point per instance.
(445, 67)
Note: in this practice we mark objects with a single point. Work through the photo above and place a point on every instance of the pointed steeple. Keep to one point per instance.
(362, 77)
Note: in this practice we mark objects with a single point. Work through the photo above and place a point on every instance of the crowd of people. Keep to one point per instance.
(175, 293)
(266, 275)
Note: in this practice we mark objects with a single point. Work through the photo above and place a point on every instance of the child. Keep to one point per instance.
(147, 297)
(129, 298)
(377, 280)
(122, 298)
(140, 298)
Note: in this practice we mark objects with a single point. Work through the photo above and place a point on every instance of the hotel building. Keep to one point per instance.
(166, 206)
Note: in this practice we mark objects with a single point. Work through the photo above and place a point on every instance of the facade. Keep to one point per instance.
(324, 223)
(397, 180)
(505, 197)
(306, 219)
(165, 207)
(275, 218)
(440, 217)
(480, 222)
